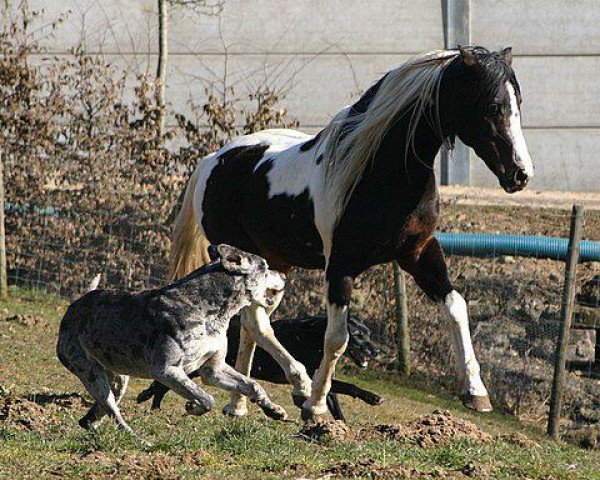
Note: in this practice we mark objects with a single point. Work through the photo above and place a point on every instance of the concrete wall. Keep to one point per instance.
(324, 53)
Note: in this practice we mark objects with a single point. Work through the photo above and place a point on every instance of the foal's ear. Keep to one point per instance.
(507, 55)
(469, 56)
(213, 253)
(234, 260)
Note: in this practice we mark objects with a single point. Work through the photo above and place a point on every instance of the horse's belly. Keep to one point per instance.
(240, 208)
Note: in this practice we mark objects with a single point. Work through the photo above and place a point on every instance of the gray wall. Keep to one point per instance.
(325, 52)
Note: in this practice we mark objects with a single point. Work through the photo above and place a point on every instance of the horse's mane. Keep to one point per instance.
(351, 141)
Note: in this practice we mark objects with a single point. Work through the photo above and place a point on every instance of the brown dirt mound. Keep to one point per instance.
(370, 468)
(430, 430)
(34, 412)
(427, 431)
(27, 320)
(153, 465)
(322, 429)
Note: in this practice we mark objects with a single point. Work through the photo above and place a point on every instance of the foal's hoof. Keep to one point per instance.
(479, 403)
(195, 408)
(230, 411)
(275, 412)
(299, 399)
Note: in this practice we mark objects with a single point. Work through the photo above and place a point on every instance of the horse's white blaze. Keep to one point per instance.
(455, 308)
(515, 132)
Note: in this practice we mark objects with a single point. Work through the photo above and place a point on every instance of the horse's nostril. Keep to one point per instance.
(521, 177)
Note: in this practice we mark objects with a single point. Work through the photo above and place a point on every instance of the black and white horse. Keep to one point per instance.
(360, 193)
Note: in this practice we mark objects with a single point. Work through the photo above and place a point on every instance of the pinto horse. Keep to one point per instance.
(361, 192)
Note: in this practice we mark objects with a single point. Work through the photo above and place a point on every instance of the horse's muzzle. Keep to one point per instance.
(515, 181)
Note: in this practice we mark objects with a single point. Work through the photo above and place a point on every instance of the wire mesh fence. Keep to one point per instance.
(514, 302)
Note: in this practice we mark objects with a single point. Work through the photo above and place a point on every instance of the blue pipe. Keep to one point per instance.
(487, 245)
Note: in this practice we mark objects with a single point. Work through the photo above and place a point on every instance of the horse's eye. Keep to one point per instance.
(493, 109)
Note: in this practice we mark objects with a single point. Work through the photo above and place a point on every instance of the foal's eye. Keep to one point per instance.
(493, 109)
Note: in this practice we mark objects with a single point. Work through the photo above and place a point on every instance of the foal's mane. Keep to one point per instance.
(351, 141)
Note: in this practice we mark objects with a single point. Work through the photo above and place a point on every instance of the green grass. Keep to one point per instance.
(252, 448)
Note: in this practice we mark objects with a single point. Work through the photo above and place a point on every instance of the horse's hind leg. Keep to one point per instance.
(430, 272)
(243, 364)
(257, 324)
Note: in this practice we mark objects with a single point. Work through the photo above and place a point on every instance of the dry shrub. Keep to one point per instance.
(90, 183)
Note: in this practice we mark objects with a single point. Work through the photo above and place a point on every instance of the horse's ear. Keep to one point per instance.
(507, 55)
(469, 56)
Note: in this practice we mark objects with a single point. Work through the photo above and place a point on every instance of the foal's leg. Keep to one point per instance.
(339, 288)
(222, 375)
(175, 378)
(430, 272)
(96, 413)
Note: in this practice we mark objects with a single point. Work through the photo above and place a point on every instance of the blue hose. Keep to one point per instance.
(487, 245)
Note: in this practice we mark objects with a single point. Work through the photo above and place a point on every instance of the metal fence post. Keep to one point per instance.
(568, 299)
(456, 14)
(402, 333)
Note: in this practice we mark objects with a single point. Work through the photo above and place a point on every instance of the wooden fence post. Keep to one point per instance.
(3, 272)
(402, 333)
(566, 313)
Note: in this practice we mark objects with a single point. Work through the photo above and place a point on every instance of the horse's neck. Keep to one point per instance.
(406, 165)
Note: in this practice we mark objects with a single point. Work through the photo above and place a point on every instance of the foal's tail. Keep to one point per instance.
(189, 247)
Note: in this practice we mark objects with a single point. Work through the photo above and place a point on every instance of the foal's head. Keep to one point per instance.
(488, 90)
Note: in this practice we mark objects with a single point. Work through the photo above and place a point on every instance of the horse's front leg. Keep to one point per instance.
(339, 289)
(430, 272)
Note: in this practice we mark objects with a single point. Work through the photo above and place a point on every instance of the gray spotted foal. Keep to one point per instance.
(167, 333)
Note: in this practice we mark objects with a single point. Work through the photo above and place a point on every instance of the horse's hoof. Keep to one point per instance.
(195, 408)
(310, 412)
(299, 399)
(275, 412)
(479, 403)
(230, 411)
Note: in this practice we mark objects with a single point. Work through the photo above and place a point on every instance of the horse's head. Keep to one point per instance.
(491, 122)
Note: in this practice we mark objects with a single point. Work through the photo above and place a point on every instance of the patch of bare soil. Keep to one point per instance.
(154, 465)
(427, 431)
(322, 429)
(369, 468)
(27, 320)
(35, 412)
(430, 430)
(518, 439)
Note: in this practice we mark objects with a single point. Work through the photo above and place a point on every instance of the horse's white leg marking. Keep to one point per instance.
(455, 308)
(243, 364)
(256, 321)
(336, 340)
(516, 132)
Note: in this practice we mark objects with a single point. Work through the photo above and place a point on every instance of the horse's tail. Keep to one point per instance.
(189, 247)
